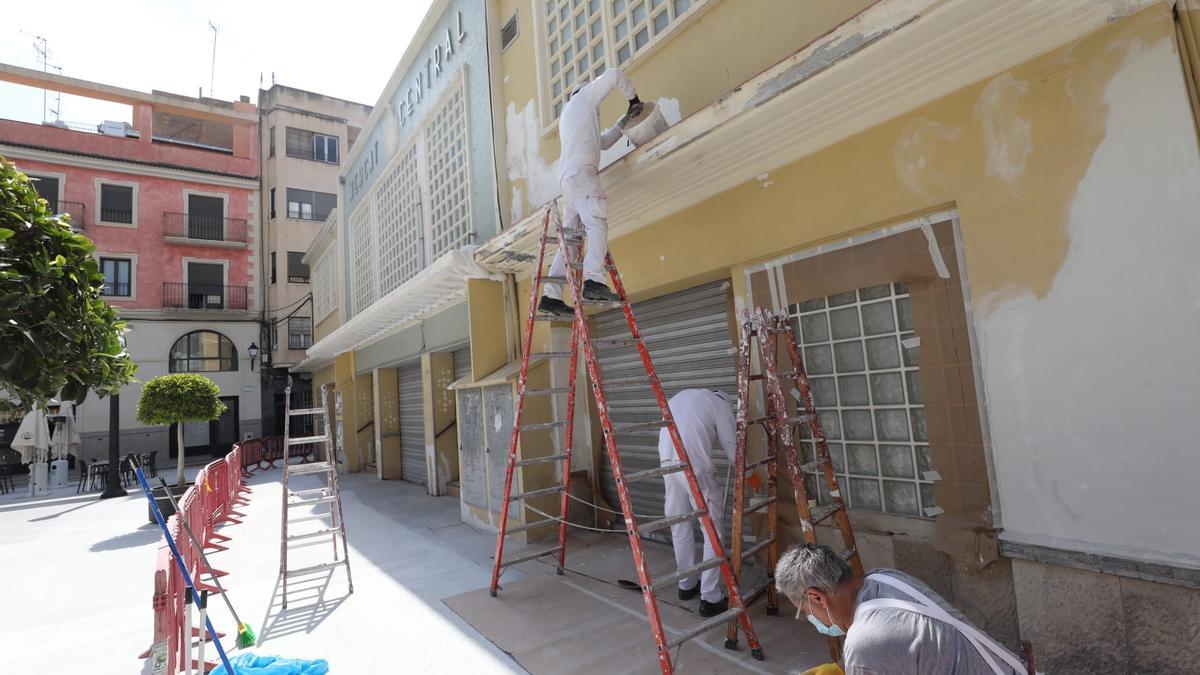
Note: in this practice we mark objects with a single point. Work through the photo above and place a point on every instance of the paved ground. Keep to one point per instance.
(77, 575)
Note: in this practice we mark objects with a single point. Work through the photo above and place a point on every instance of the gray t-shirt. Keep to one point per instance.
(895, 641)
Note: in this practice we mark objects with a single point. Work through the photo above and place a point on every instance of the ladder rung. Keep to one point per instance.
(539, 460)
(554, 317)
(794, 419)
(322, 500)
(614, 342)
(653, 473)
(536, 493)
(312, 535)
(656, 525)
(638, 426)
(760, 462)
(316, 516)
(750, 552)
(573, 231)
(813, 466)
(549, 391)
(579, 266)
(821, 513)
(528, 556)
(301, 440)
(618, 382)
(528, 526)
(748, 597)
(847, 553)
(705, 626)
(316, 568)
(757, 503)
(542, 426)
(606, 304)
(687, 571)
(548, 279)
(306, 411)
(304, 493)
(538, 356)
(311, 467)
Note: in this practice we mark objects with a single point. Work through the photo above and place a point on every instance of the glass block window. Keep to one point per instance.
(398, 203)
(861, 358)
(324, 289)
(449, 180)
(576, 44)
(363, 240)
(636, 23)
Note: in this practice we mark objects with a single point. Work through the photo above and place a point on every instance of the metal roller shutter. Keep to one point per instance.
(687, 334)
(412, 424)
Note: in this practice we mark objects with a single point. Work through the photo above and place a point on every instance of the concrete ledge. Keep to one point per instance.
(216, 243)
(1176, 575)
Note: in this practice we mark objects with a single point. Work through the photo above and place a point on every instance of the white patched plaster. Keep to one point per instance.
(1092, 389)
(1005, 133)
(524, 159)
(918, 154)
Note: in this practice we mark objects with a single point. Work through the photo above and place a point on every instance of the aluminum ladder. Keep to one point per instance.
(571, 242)
(767, 329)
(324, 464)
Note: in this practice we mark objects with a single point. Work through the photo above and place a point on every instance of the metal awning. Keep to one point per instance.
(888, 60)
(433, 289)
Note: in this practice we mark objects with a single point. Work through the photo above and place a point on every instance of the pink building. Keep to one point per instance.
(172, 204)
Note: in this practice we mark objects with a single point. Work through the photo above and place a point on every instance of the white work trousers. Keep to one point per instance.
(679, 500)
(583, 201)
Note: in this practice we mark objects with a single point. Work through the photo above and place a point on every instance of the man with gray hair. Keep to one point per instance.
(892, 622)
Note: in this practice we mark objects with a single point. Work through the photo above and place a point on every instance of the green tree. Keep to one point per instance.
(58, 337)
(176, 399)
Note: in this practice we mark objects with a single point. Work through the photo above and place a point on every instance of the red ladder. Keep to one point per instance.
(571, 243)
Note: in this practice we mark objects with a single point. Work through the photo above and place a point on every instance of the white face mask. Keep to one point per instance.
(832, 630)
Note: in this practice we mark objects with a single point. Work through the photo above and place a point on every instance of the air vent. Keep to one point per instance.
(509, 32)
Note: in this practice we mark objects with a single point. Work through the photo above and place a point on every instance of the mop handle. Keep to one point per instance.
(199, 549)
(162, 524)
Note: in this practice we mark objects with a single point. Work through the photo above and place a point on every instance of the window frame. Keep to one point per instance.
(99, 220)
(271, 141)
(299, 321)
(62, 183)
(273, 268)
(131, 258)
(312, 205)
(297, 256)
(320, 139)
(234, 360)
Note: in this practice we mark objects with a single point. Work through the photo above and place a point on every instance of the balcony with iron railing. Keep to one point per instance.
(191, 228)
(205, 296)
(116, 290)
(116, 216)
(76, 210)
(299, 332)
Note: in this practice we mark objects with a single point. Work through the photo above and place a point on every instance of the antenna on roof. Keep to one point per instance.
(43, 57)
(213, 69)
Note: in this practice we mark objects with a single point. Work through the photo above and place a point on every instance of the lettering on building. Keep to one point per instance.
(366, 166)
(433, 67)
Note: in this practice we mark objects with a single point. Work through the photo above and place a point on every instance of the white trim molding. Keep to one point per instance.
(99, 219)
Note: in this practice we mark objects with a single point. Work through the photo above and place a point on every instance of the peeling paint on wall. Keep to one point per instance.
(525, 161)
(1005, 133)
(918, 156)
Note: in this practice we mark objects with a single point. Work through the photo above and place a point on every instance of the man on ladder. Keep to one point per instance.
(579, 176)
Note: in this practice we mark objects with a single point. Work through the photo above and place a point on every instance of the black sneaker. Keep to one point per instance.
(711, 609)
(594, 290)
(689, 593)
(549, 305)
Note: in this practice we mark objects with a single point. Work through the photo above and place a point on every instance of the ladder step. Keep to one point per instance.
(847, 553)
(656, 525)
(653, 473)
(573, 231)
(667, 580)
(528, 556)
(539, 460)
(528, 526)
(705, 626)
(304, 493)
(614, 342)
(548, 279)
(306, 411)
(821, 513)
(313, 535)
(757, 463)
(579, 266)
(542, 426)
(753, 550)
(638, 426)
(794, 419)
(549, 391)
(306, 502)
(315, 568)
(619, 382)
(813, 466)
(301, 440)
(757, 503)
(536, 493)
(554, 317)
(538, 356)
(315, 516)
(605, 304)
(311, 467)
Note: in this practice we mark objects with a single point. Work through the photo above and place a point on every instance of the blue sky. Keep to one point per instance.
(346, 49)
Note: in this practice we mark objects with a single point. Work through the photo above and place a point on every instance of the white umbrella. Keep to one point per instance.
(33, 437)
(66, 436)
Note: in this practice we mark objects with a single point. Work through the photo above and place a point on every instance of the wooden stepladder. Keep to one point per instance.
(762, 334)
(571, 243)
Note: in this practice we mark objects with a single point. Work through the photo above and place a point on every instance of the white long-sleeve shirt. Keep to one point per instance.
(579, 124)
(704, 419)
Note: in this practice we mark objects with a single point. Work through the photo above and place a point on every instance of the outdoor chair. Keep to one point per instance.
(151, 461)
(83, 471)
(127, 473)
(9, 461)
(97, 475)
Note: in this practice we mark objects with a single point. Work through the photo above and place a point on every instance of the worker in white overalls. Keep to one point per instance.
(579, 176)
(704, 418)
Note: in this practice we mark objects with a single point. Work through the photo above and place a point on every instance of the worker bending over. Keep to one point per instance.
(579, 176)
(704, 418)
(893, 623)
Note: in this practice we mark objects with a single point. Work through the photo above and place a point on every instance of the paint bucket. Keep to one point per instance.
(643, 128)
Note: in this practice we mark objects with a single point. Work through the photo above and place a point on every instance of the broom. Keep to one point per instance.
(245, 634)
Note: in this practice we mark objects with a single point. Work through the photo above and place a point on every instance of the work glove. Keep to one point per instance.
(635, 108)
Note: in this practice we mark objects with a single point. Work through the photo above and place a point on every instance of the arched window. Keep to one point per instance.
(203, 351)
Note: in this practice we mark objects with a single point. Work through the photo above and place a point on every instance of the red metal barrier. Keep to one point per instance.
(212, 500)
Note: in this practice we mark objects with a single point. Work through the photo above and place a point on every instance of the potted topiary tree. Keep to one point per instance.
(176, 399)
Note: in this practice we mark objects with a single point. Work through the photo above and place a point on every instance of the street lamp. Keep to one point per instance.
(252, 350)
(113, 486)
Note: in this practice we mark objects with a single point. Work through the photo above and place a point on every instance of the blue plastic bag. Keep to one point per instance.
(254, 664)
